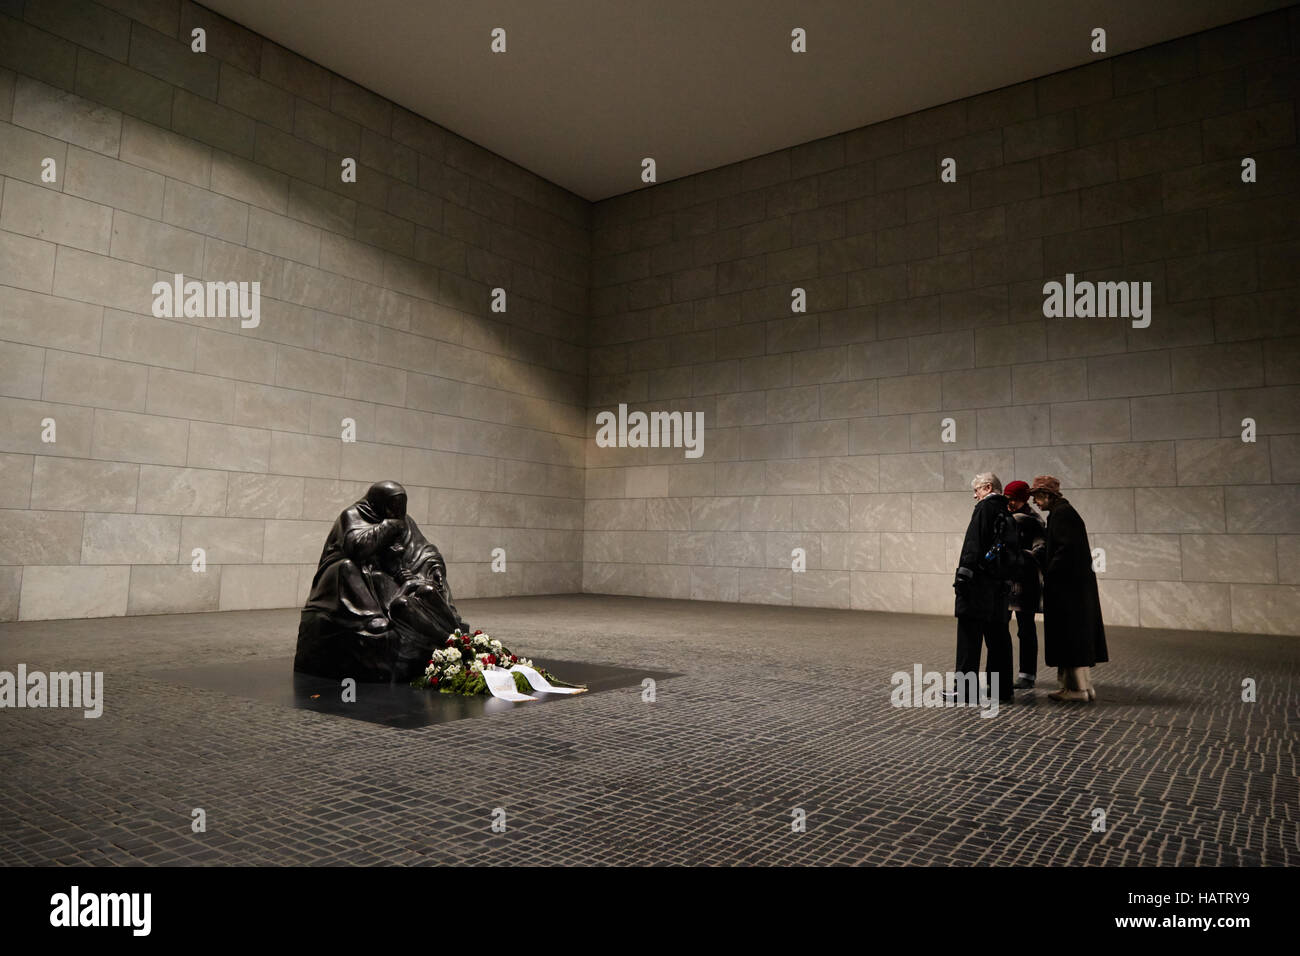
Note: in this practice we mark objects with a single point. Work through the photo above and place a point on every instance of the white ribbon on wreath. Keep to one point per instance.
(501, 683)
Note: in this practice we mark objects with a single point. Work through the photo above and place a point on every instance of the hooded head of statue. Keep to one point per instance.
(386, 499)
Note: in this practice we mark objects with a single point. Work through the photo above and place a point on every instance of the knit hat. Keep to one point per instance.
(1017, 491)
(1046, 483)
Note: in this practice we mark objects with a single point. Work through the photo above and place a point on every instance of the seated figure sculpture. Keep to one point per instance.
(380, 602)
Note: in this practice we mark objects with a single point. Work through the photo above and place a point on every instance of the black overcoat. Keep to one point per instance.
(984, 596)
(1027, 592)
(1073, 633)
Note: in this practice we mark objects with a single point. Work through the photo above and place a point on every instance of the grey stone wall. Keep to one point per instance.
(925, 302)
(179, 434)
(822, 428)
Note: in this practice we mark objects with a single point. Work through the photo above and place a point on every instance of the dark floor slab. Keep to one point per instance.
(274, 680)
(776, 708)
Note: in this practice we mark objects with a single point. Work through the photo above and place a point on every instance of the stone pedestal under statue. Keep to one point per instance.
(380, 602)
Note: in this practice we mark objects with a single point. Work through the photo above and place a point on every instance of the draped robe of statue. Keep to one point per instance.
(380, 602)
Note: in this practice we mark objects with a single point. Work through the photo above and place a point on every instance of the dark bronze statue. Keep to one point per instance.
(380, 603)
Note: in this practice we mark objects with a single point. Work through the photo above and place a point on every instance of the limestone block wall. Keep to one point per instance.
(179, 433)
(823, 428)
(925, 302)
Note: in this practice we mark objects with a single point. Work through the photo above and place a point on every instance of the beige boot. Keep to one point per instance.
(1074, 685)
(1085, 682)
(1079, 695)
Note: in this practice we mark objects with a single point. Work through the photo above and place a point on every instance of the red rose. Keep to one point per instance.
(513, 659)
(478, 632)
(433, 680)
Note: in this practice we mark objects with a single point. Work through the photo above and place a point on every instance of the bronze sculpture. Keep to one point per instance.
(380, 602)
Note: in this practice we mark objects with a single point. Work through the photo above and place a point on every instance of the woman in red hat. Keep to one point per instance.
(1074, 638)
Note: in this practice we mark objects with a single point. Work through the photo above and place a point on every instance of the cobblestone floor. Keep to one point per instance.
(776, 709)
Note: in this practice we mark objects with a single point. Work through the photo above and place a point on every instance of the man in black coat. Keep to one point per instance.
(1074, 638)
(990, 559)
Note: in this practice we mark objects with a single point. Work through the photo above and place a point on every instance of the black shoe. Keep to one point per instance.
(1024, 683)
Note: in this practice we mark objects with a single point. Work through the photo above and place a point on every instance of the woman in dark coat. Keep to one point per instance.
(1074, 638)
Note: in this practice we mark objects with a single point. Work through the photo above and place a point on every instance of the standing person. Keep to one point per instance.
(1074, 638)
(990, 558)
(1026, 591)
